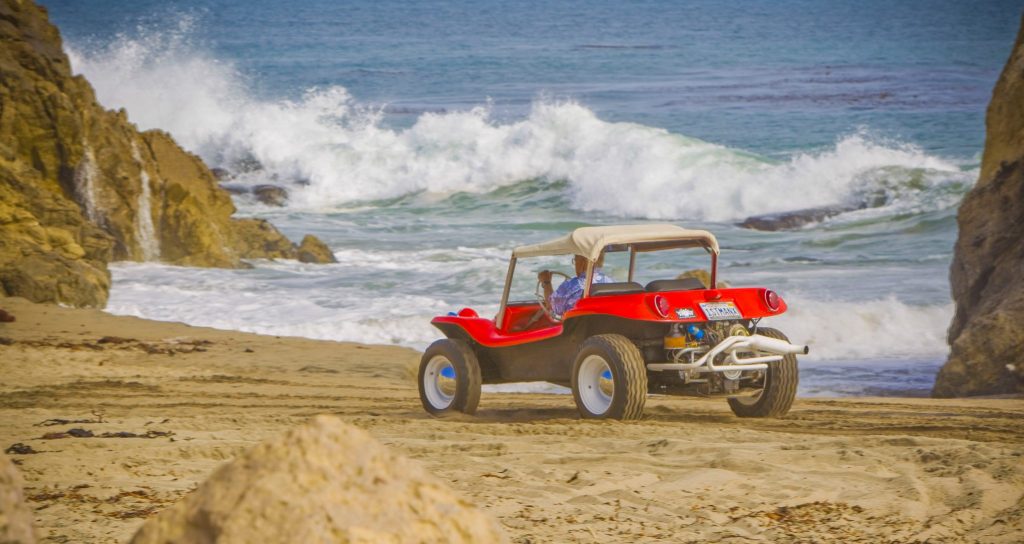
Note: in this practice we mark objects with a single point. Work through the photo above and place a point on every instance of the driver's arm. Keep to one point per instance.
(544, 277)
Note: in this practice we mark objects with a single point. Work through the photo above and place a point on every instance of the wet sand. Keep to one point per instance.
(852, 470)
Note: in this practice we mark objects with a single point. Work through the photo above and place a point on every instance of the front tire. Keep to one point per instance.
(780, 383)
(449, 378)
(609, 378)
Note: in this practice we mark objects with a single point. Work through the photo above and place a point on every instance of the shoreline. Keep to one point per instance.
(866, 468)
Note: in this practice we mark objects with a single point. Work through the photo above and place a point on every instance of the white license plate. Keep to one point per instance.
(720, 310)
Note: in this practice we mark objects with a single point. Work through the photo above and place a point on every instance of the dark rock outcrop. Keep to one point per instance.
(15, 516)
(312, 250)
(271, 195)
(795, 219)
(325, 481)
(987, 276)
(222, 174)
(80, 185)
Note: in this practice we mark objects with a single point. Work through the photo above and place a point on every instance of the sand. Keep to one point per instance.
(852, 470)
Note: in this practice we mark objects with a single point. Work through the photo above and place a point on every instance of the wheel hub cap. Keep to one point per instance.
(596, 384)
(439, 382)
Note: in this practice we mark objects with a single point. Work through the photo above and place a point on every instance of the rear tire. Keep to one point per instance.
(449, 378)
(779, 390)
(609, 378)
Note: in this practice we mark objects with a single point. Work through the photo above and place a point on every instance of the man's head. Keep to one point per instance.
(580, 262)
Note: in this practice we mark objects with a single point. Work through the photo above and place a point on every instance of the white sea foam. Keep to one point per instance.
(347, 154)
(866, 330)
(144, 220)
(276, 298)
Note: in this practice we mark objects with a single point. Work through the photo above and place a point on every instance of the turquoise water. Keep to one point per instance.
(424, 140)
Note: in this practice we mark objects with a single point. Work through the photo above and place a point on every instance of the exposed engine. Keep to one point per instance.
(685, 343)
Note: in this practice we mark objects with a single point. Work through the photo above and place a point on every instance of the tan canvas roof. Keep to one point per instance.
(589, 241)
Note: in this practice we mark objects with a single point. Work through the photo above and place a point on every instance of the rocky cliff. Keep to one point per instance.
(986, 337)
(81, 186)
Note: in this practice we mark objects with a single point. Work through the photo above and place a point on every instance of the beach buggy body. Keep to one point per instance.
(621, 340)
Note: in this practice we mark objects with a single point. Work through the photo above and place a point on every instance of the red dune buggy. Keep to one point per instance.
(622, 340)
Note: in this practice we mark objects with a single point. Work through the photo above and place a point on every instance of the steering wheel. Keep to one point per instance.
(545, 305)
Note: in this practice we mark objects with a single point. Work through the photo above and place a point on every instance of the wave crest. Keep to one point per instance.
(344, 152)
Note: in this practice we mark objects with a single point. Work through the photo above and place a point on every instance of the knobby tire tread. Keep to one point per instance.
(634, 370)
(473, 376)
(462, 356)
(777, 397)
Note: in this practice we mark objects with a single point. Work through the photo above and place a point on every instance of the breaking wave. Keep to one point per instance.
(277, 299)
(344, 152)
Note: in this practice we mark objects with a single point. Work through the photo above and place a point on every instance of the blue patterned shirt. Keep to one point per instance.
(569, 293)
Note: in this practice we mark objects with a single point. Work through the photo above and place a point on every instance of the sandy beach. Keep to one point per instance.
(853, 469)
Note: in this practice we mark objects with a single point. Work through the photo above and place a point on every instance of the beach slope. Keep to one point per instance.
(111, 419)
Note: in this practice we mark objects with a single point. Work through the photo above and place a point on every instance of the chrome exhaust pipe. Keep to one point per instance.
(777, 346)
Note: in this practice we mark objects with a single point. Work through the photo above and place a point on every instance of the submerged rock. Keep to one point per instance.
(313, 250)
(987, 275)
(222, 174)
(796, 219)
(235, 189)
(325, 481)
(271, 195)
(15, 516)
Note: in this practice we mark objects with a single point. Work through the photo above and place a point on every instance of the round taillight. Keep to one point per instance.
(661, 305)
(772, 300)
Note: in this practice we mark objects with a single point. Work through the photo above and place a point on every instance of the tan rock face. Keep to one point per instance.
(323, 482)
(49, 252)
(704, 276)
(93, 187)
(258, 239)
(987, 276)
(15, 516)
(313, 250)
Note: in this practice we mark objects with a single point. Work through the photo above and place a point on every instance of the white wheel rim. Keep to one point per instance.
(596, 384)
(439, 382)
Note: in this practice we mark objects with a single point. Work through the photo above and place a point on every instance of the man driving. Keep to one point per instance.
(570, 291)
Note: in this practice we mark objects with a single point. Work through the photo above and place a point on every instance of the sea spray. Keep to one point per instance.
(85, 185)
(879, 328)
(144, 219)
(343, 152)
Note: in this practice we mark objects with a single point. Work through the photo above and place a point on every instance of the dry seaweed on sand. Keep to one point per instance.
(85, 433)
(20, 449)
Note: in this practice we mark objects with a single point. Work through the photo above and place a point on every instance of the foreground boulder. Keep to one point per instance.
(15, 516)
(80, 185)
(323, 482)
(987, 276)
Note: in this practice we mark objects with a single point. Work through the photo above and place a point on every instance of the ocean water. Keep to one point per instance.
(423, 140)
